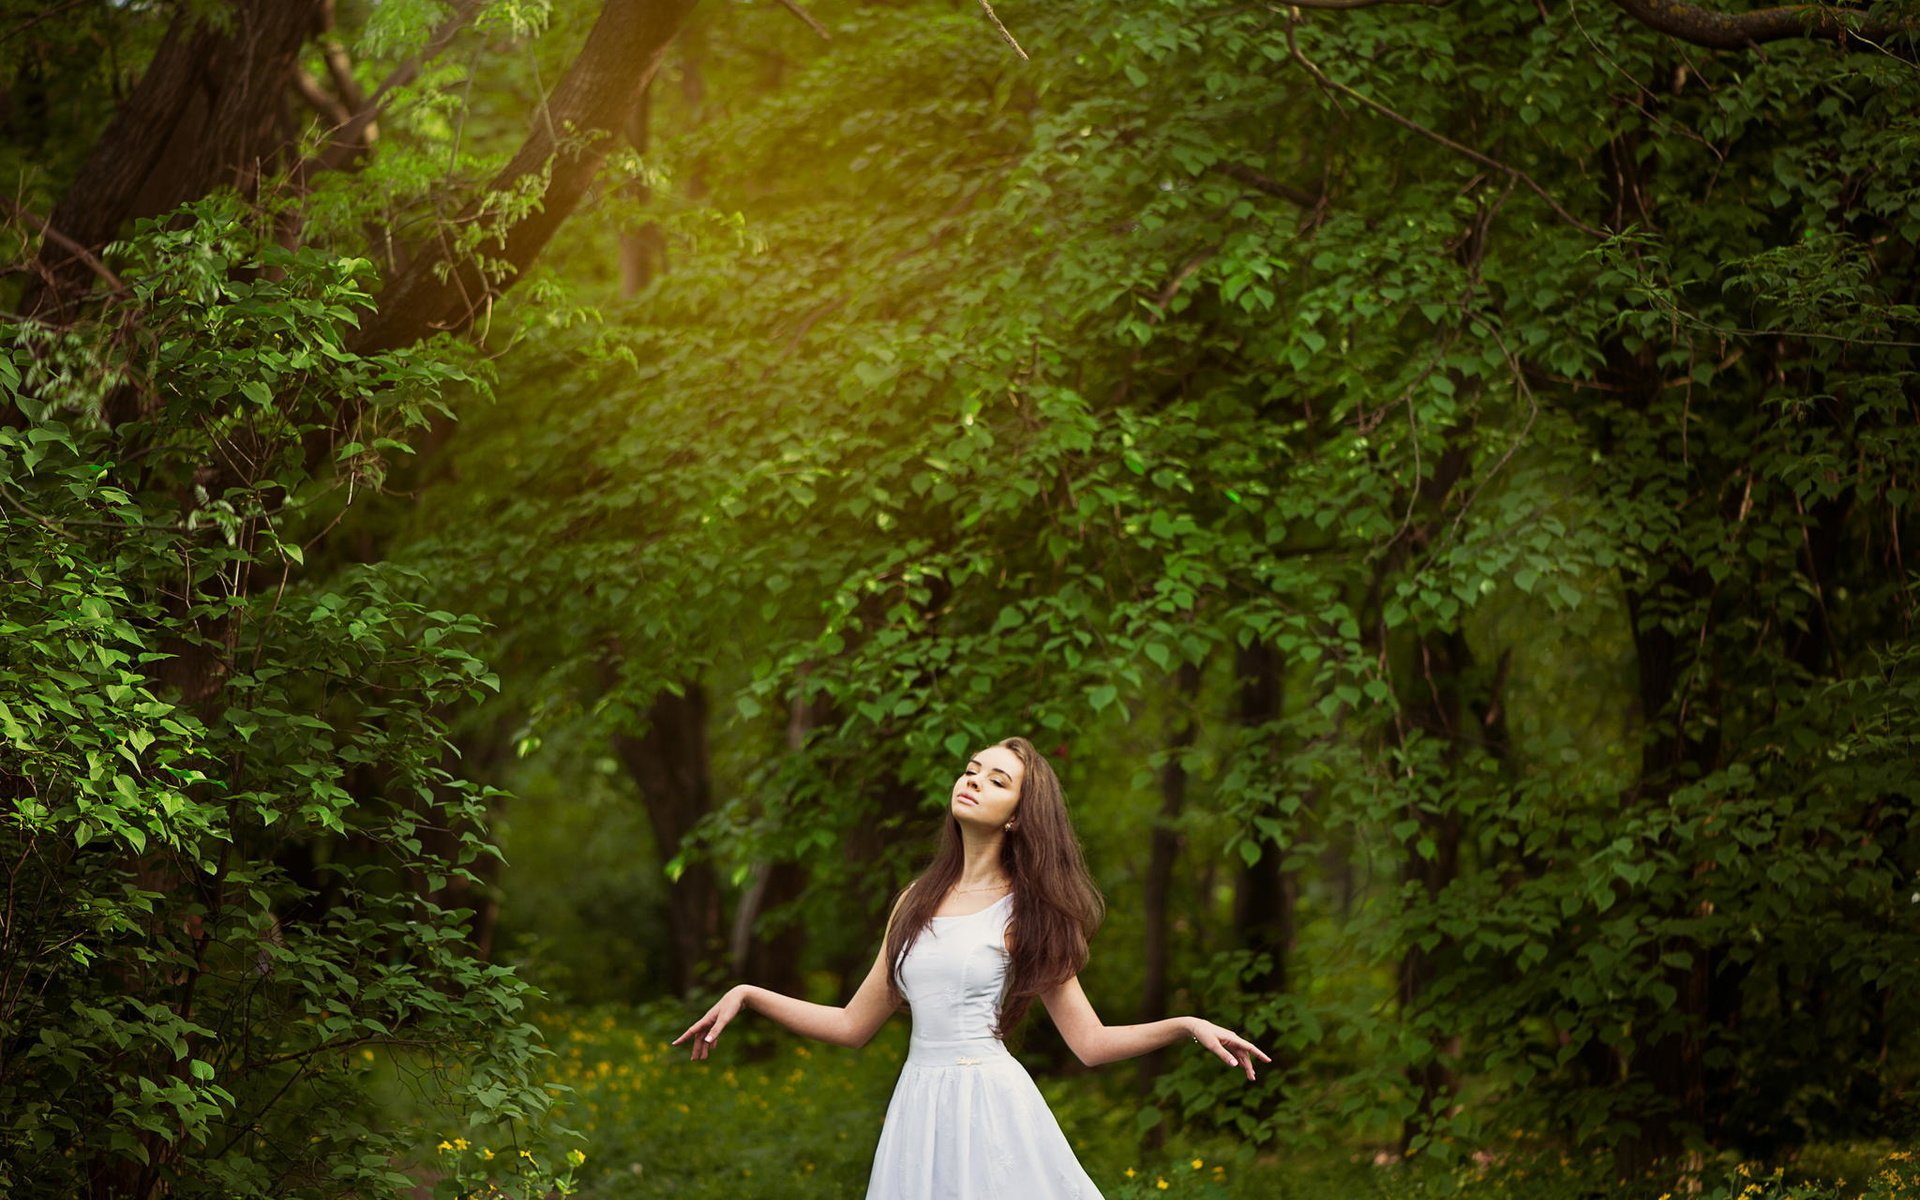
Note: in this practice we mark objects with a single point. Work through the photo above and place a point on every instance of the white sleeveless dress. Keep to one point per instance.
(966, 1121)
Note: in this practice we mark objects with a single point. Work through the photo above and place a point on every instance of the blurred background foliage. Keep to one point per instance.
(1435, 478)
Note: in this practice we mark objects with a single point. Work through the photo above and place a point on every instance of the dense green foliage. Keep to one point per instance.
(1580, 553)
(1469, 450)
(216, 900)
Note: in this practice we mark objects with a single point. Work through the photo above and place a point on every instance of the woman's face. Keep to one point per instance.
(988, 789)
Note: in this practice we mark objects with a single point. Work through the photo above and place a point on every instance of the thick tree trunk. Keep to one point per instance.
(210, 111)
(1674, 1062)
(1267, 893)
(1430, 695)
(670, 766)
(1445, 662)
(1157, 893)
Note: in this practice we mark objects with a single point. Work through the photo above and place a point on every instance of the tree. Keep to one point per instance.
(219, 755)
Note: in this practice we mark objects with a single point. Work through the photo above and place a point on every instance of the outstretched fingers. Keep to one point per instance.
(1237, 1051)
(691, 1030)
(701, 1043)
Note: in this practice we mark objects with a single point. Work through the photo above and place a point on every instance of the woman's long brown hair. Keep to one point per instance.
(1056, 907)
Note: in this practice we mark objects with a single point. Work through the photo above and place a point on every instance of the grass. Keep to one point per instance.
(774, 1116)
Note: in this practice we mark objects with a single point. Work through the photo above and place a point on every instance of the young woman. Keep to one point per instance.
(1002, 916)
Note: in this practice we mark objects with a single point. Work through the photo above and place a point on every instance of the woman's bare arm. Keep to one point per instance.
(1095, 1043)
(852, 1025)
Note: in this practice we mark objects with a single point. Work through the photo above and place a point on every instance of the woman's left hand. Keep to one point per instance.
(1233, 1049)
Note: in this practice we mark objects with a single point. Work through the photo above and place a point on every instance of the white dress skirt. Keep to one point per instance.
(966, 1121)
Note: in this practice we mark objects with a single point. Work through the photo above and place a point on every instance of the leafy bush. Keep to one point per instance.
(227, 824)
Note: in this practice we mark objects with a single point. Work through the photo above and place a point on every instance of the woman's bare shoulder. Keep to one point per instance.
(897, 902)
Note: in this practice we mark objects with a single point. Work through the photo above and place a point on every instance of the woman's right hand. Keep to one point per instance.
(707, 1029)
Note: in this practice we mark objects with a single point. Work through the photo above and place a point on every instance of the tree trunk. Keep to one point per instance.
(210, 111)
(1158, 891)
(1445, 660)
(756, 957)
(643, 250)
(669, 764)
(1674, 1062)
(1267, 893)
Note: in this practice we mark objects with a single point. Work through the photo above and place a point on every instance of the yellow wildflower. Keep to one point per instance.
(459, 1143)
(1198, 1163)
(576, 1156)
(486, 1154)
(527, 1154)
(444, 1146)
(1130, 1172)
(1160, 1183)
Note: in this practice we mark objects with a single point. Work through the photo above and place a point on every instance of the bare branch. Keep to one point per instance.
(995, 18)
(353, 134)
(1272, 187)
(1172, 287)
(806, 16)
(1738, 31)
(79, 252)
(1337, 4)
(1408, 123)
(340, 70)
(42, 15)
(316, 96)
(463, 15)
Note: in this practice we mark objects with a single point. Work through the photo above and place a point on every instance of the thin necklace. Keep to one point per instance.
(960, 891)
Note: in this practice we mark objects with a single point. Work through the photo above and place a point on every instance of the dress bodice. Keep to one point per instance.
(954, 975)
(966, 1121)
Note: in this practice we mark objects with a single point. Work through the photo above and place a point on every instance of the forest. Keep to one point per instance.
(513, 513)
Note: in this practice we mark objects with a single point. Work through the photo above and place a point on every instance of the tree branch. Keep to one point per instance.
(443, 288)
(80, 253)
(1339, 4)
(318, 99)
(1408, 123)
(353, 135)
(1260, 182)
(340, 70)
(807, 17)
(1004, 33)
(1738, 31)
